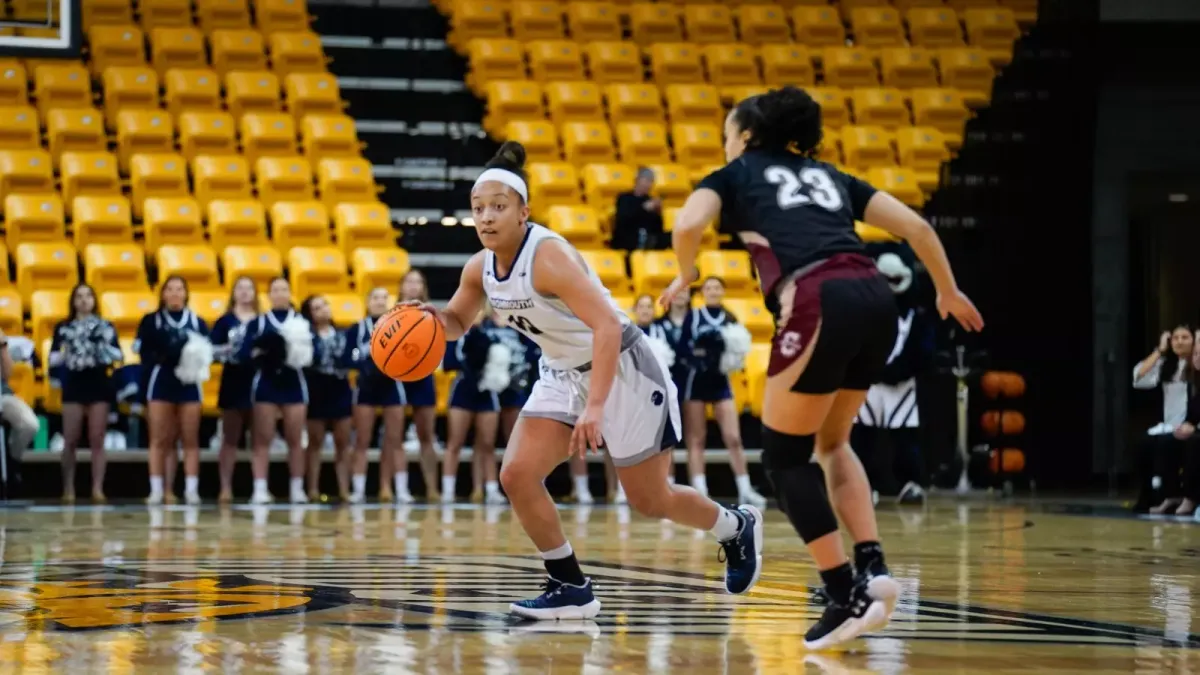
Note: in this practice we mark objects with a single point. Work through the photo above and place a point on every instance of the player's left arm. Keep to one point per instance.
(701, 208)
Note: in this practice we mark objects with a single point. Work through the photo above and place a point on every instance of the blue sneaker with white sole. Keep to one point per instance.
(559, 601)
(743, 553)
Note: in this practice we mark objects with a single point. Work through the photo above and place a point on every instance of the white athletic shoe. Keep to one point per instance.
(447, 497)
(262, 498)
(753, 498)
(884, 591)
(495, 499)
(191, 498)
(404, 498)
(585, 498)
(155, 499)
(298, 498)
(356, 498)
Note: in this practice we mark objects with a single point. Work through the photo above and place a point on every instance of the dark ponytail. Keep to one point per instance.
(510, 157)
(781, 119)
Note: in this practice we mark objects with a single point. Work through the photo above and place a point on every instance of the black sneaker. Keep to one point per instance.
(837, 624)
(911, 494)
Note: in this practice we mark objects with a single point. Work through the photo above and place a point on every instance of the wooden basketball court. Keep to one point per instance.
(988, 589)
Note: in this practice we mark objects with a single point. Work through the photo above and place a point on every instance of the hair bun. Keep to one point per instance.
(511, 156)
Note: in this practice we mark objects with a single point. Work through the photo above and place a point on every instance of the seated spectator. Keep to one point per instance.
(16, 412)
(638, 223)
(1169, 366)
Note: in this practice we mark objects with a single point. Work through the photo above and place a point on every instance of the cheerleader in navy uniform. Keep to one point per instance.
(421, 394)
(86, 345)
(672, 329)
(483, 365)
(233, 399)
(706, 342)
(329, 405)
(280, 344)
(171, 343)
(375, 391)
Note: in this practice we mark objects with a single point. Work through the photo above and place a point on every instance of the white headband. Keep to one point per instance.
(506, 177)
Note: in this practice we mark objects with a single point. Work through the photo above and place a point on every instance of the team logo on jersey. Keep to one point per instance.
(657, 398)
(789, 344)
(509, 304)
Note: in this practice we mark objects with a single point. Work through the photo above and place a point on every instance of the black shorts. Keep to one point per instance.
(854, 306)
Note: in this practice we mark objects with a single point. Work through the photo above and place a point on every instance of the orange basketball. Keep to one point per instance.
(408, 344)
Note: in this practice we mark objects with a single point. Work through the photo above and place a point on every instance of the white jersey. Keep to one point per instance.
(565, 340)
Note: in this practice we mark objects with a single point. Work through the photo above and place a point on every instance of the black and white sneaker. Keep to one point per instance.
(837, 624)
(911, 493)
(874, 597)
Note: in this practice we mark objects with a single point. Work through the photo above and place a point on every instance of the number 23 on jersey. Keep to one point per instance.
(811, 186)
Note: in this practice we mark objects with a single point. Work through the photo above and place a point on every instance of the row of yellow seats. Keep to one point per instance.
(231, 49)
(270, 16)
(448, 7)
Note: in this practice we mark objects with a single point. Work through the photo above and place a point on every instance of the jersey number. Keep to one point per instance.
(821, 190)
(524, 325)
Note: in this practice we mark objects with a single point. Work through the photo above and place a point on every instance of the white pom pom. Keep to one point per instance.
(297, 335)
(662, 351)
(195, 360)
(496, 372)
(737, 346)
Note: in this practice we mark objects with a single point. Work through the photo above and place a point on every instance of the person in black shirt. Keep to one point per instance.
(836, 327)
(638, 223)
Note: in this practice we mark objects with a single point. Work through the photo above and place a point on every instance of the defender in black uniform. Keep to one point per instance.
(836, 326)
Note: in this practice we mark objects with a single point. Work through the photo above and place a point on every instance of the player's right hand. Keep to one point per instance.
(959, 306)
(424, 307)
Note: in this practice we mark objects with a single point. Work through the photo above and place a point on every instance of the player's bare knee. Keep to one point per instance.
(649, 503)
(516, 476)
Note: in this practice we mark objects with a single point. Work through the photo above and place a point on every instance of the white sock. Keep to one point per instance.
(559, 553)
(700, 484)
(492, 487)
(581, 485)
(297, 486)
(743, 484)
(156, 487)
(727, 525)
(359, 481)
(191, 484)
(260, 486)
(448, 485)
(400, 482)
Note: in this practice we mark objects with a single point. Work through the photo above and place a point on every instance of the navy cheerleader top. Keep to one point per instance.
(701, 339)
(329, 353)
(469, 352)
(228, 336)
(356, 355)
(84, 344)
(272, 352)
(162, 334)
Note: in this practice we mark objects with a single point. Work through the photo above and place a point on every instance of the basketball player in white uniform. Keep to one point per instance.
(600, 385)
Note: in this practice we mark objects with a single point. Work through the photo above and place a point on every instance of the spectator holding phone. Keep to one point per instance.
(1169, 368)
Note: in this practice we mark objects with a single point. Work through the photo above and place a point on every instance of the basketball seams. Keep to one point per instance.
(438, 334)
(436, 338)
(400, 340)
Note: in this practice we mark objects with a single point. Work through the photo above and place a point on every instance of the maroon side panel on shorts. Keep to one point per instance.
(798, 322)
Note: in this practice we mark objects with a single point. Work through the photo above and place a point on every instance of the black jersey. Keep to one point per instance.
(804, 208)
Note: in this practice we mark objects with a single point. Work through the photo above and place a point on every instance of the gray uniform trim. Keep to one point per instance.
(630, 334)
(566, 419)
(646, 364)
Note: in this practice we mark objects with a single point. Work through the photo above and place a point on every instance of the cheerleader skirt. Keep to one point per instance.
(330, 397)
(421, 394)
(380, 391)
(236, 381)
(85, 387)
(162, 385)
(706, 386)
(466, 395)
(285, 386)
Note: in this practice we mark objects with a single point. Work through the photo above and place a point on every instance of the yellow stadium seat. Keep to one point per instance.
(831, 146)
(12, 321)
(603, 182)
(298, 52)
(751, 312)
(75, 130)
(33, 218)
(193, 89)
(593, 21)
(281, 15)
(165, 13)
(585, 142)
(492, 60)
(261, 263)
(128, 87)
(763, 24)
(579, 225)
(324, 136)
(247, 92)
(785, 64)
(347, 308)
(731, 64)
(45, 265)
(694, 103)
(19, 128)
(157, 175)
(609, 265)
(634, 103)
(900, 182)
(905, 5)
(341, 179)
(25, 172)
(571, 101)
(613, 62)
(835, 112)
(877, 27)
(300, 224)
(1025, 11)
(698, 144)
(733, 267)
(236, 222)
(268, 135)
(643, 142)
(551, 60)
(818, 26)
(474, 19)
(880, 107)
(512, 100)
(756, 375)
(376, 267)
(171, 220)
(209, 306)
(312, 93)
(365, 225)
(195, 262)
(654, 23)
(14, 86)
(934, 27)
(220, 177)
(101, 219)
(108, 12)
(671, 183)
(922, 149)
(317, 270)
(47, 308)
(708, 239)
(176, 47)
(141, 132)
(676, 63)
(536, 20)
(207, 133)
(968, 70)
(652, 271)
(115, 46)
(115, 267)
(234, 49)
(283, 179)
(849, 67)
(906, 68)
(214, 15)
(708, 23)
(942, 109)
(62, 86)
(540, 139)
(866, 146)
(125, 309)
(553, 183)
(993, 30)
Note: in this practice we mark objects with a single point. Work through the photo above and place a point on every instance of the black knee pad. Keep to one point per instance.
(798, 482)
